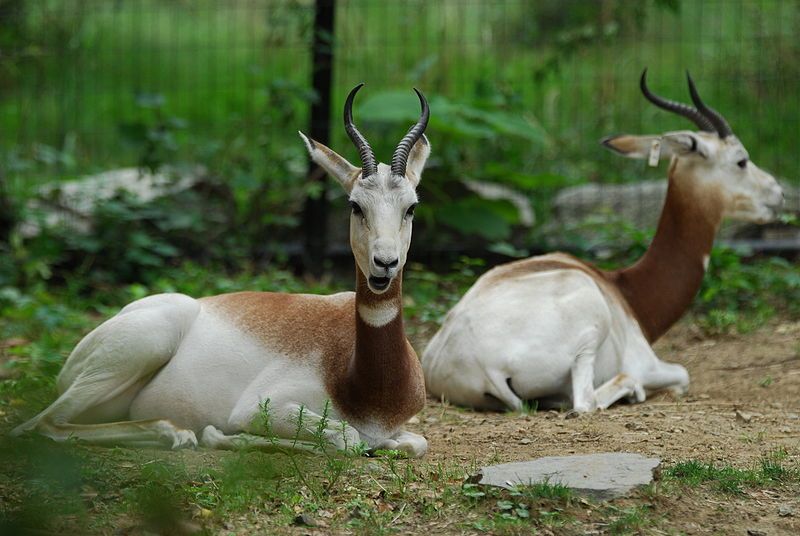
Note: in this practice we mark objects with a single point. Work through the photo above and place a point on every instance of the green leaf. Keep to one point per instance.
(473, 216)
(505, 505)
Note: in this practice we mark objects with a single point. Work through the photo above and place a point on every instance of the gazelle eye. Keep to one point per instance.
(742, 163)
(356, 209)
(410, 211)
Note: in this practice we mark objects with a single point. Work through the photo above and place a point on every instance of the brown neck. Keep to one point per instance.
(662, 284)
(384, 379)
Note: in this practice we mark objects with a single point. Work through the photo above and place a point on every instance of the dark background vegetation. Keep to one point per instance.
(520, 91)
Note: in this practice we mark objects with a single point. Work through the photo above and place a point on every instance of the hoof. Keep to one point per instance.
(184, 439)
(211, 437)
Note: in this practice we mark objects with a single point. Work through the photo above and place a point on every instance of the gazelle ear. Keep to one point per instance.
(638, 147)
(337, 166)
(684, 142)
(679, 143)
(416, 159)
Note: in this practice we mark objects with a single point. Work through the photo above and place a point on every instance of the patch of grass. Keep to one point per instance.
(544, 490)
(630, 520)
(519, 510)
(529, 407)
(770, 470)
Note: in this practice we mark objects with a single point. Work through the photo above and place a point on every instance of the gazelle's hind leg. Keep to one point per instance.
(663, 375)
(619, 387)
(111, 362)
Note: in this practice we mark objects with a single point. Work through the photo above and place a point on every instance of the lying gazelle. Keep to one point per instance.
(169, 366)
(556, 329)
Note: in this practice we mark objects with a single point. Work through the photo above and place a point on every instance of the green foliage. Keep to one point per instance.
(542, 504)
(771, 470)
(154, 135)
(130, 240)
(606, 240)
(742, 294)
(428, 296)
(629, 520)
(544, 490)
(739, 292)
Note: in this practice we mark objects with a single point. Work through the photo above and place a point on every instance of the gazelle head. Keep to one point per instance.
(712, 163)
(382, 197)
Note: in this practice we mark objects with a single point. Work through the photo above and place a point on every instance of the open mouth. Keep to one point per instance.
(379, 283)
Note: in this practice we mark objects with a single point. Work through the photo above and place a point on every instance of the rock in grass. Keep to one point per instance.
(598, 476)
(304, 520)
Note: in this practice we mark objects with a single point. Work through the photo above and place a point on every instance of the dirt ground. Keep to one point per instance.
(744, 402)
(743, 405)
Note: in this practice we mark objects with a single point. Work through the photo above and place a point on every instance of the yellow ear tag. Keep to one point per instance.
(655, 153)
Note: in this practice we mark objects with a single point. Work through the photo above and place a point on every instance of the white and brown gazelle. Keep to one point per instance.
(559, 330)
(168, 367)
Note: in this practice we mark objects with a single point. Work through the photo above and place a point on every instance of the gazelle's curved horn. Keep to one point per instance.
(400, 156)
(368, 164)
(720, 125)
(692, 114)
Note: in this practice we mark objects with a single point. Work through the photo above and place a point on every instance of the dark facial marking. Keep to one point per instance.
(357, 211)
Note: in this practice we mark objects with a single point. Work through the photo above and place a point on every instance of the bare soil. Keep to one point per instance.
(744, 403)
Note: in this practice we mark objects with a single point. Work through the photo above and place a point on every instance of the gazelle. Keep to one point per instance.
(168, 367)
(556, 329)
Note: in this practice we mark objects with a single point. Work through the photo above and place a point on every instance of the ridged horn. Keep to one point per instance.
(690, 113)
(369, 165)
(400, 156)
(720, 125)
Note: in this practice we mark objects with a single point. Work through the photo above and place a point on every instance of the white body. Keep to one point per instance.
(185, 363)
(555, 328)
(555, 335)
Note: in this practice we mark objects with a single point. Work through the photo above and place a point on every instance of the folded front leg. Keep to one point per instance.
(414, 445)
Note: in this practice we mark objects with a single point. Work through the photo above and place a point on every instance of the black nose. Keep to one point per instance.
(385, 264)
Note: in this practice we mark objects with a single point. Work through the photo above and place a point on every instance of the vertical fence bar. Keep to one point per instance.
(315, 211)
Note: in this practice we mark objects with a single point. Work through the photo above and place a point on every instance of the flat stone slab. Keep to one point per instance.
(597, 476)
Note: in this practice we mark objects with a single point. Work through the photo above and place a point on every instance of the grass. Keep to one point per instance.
(771, 470)
(630, 520)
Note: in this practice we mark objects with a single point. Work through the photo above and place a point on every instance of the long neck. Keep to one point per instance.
(662, 284)
(384, 379)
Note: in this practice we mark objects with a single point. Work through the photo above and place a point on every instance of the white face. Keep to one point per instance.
(382, 210)
(380, 225)
(748, 193)
(718, 167)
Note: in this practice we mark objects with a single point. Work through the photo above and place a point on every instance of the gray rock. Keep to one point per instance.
(71, 203)
(598, 476)
(640, 203)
